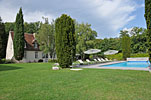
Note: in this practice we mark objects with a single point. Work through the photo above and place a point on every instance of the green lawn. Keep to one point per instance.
(36, 81)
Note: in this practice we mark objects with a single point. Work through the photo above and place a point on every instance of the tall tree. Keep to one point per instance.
(84, 38)
(65, 40)
(148, 22)
(19, 36)
(46, 38)
(3, 40)
(126, 45)
(138, 40)
(1, 34)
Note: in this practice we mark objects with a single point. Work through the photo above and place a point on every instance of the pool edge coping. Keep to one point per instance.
(97, 66)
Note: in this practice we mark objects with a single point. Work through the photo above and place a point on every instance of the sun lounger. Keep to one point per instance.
(81, 62)
(107, 59)
(89, 62)
(97, 61)
(102, 59)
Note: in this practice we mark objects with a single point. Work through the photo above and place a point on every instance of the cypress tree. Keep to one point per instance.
(3, 41)
(126, 46)
(19, 36)
(65, 40)
(148, 22)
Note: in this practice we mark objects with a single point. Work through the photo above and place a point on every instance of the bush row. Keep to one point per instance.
(140, 55)
(119, 56)
(4, 61)
(52, 61)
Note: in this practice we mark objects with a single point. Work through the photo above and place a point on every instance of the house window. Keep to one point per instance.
(35, 45)
(25, 54)
(46, 55)
(43, 55)
(36, 54)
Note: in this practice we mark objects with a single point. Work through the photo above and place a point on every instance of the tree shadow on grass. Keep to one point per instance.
(6, 68)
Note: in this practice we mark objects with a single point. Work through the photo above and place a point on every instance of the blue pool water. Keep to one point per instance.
(140, 64)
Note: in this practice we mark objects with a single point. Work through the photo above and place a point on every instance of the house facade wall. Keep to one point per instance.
(10, 48)
(29, 56)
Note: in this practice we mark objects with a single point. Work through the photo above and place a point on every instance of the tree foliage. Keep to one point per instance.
(32, 27)
(1, 34)
(65, 40)
(137, 37)
(19, 36)
(126, 45)
(46, 38)
(9, 26)
(3, 41)
(85, 37)
(138, 40)
(148, 22)
(110, 44)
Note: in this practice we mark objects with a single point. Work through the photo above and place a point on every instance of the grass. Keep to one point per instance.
(36, 81)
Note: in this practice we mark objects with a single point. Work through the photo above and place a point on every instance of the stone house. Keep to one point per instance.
(32, 53)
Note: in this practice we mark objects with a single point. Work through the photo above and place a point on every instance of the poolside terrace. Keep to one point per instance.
(113, 62)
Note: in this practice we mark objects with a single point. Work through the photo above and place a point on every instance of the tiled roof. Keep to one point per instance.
(30, 40)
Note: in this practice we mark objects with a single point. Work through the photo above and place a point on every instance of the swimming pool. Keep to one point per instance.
(139, 64)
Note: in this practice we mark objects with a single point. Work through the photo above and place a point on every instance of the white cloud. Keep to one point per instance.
(36, 16)
(127, 29)
(142, 5)
(115, 12)
(8, 13)
(106, 16)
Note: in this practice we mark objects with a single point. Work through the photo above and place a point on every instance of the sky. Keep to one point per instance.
(107, 17)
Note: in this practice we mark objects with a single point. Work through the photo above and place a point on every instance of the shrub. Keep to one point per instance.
(4, 61)
(91, 57)
(52, 61)
(140, 55)
(118, 56)
(101, 55)
(126, 43)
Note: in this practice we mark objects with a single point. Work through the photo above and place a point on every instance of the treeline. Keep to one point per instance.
(45, 32)
(85, 37)
(138, 38)
(31, 27)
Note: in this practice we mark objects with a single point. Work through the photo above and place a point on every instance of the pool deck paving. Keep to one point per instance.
(98, 66)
